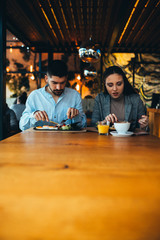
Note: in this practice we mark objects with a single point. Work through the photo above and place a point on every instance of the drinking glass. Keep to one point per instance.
(103, 128)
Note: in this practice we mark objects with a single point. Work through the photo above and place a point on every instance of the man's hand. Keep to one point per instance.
(72, 112)
(41, 115)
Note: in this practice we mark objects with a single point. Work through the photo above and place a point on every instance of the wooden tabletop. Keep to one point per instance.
(79, 186)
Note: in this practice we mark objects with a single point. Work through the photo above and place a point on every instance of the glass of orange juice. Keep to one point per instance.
(103, 128)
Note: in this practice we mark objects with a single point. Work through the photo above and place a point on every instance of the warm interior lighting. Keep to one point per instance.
(31, 68)
(32, 77)
(47, 19)
(7, 69)
(77, 87)
(65, 21)
(10, 49)
(79, 77)
(72, 14)
(129, 19)
(89, 52)
(56, 19)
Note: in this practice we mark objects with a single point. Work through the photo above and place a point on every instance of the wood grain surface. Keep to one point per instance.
(79, 186)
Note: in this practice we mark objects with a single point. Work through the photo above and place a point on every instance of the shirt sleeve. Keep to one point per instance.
(27, 120)
(141, 109)
(81, 117)
(138, 109)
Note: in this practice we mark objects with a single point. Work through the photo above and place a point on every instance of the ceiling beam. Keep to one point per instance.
(121, 16)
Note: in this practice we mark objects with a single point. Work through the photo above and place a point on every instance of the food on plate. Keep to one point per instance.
(39, 127)
(45, 126)
(63, 127)
(53, 127)
(66, 127)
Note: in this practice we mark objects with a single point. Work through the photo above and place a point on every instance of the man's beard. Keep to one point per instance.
(56, 92)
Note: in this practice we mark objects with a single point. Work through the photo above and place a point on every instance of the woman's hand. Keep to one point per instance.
(143, 121)
(41, 115)
(111, 118)
(72, 112)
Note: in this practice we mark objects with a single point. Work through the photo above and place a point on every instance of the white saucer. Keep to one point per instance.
(127, 134)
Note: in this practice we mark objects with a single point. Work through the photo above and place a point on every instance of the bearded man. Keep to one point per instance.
(54, 102)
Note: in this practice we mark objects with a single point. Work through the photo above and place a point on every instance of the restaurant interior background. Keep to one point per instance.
(32, 33)
(23, 71)
(79, 185)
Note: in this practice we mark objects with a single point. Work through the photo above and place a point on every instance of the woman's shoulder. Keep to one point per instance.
(101, 97)
(134, 97)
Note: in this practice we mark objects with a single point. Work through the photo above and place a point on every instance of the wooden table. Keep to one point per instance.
(79, 186)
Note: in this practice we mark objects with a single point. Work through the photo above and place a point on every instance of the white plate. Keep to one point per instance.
(127, 134)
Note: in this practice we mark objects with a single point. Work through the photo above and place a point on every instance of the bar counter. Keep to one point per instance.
(79, 186)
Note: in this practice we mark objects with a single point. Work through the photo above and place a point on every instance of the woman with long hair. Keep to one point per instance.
(119, 101)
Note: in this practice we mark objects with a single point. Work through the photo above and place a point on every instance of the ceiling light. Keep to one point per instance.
(90, 73)
(77, 87)
(31, 68)
(79, 77)
(89, 52)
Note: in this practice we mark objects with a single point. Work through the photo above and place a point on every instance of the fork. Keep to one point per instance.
(63, 121)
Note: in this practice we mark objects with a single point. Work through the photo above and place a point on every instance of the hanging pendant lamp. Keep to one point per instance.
(89, 52)
(90, 73)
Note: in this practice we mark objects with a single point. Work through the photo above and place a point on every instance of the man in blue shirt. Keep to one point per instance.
(54, 102)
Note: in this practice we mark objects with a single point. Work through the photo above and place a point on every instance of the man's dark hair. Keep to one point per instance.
(57, 68)
(128, 89)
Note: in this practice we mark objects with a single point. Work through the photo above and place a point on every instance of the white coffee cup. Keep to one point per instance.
(122, 127)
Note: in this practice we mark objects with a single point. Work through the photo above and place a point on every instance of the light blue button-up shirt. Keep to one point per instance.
(41, 100)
